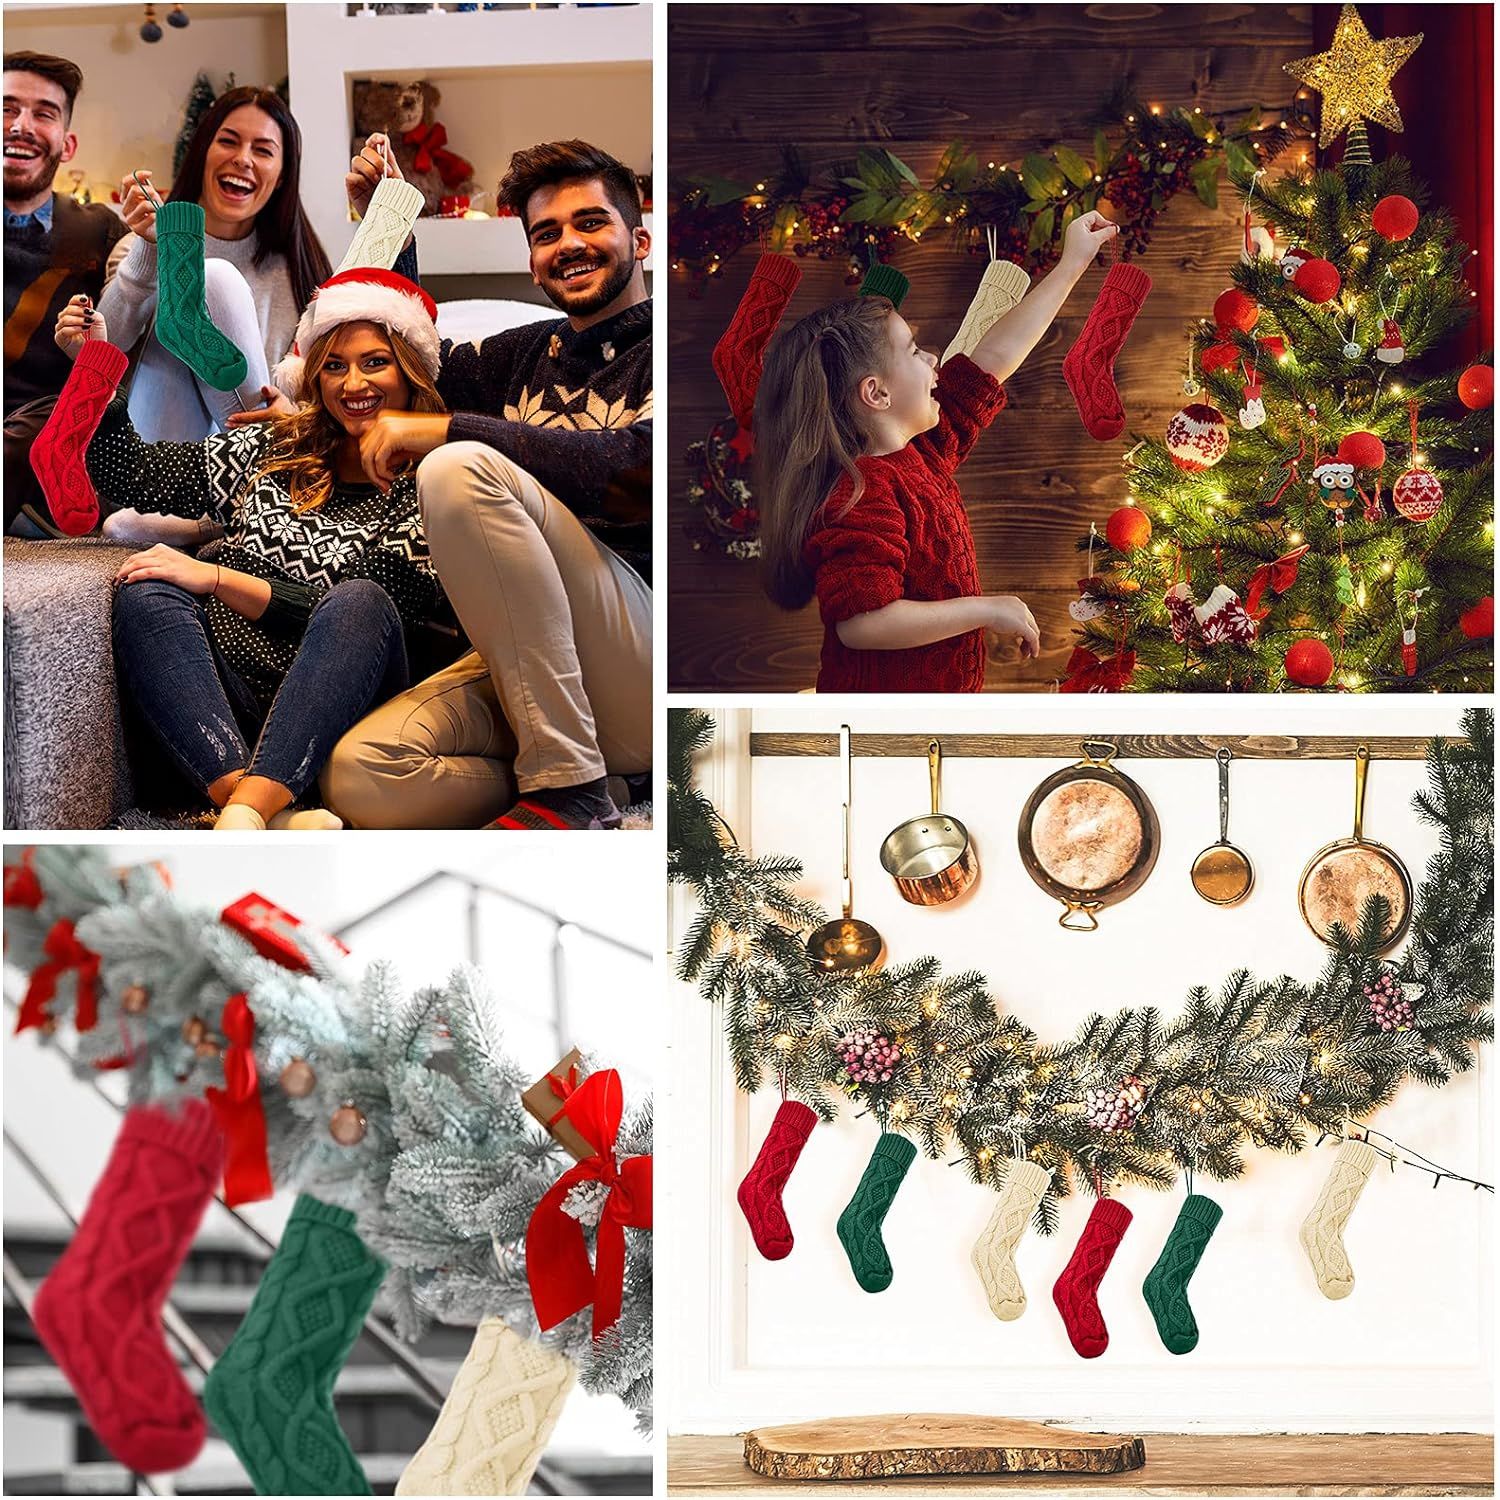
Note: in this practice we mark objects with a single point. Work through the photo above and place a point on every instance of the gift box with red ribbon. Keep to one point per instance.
(271, 931)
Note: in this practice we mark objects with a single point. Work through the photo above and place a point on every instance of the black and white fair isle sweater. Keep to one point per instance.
(357, 533)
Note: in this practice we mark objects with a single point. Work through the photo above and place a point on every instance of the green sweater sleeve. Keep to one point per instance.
(290, 608)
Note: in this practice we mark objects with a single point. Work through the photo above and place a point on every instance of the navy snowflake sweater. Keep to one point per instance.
(357, 533)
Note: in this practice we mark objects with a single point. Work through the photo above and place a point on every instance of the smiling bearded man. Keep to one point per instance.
(55, 249)
(536, 501)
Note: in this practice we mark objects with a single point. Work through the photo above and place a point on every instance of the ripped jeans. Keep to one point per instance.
(352, 656)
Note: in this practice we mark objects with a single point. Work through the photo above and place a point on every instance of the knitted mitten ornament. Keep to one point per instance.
(1166, 1284)
(1323, 1229)
(1003, 285)
(271, 1392)
(1076, 1291)
(1089, 366)
(99, 1312)
(994, 1253)
(493, 1428)
(182, 321)
(859, 1224)
(760, 1192)
(741, 350)
(57, 450)
(394, 209)
(885, 281)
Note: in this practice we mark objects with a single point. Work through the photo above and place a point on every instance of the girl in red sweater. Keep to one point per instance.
(858, 437)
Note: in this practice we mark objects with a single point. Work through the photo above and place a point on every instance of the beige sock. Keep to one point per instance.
(494, 1426)
(1003, 285)
(309, 817)
(238, 817)
(393, 211)
(994, 1253)
(1322, 1230)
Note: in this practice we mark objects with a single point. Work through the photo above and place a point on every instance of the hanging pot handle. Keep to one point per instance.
(847, 757)
(1361, 775)
(1080, 916)
(934, 767)
(1089, 747)
(1223, 757)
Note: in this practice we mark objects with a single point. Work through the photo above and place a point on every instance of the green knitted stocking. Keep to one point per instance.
(271, 1392)
(859, 1224)
(1166, 1285)
(182, 321)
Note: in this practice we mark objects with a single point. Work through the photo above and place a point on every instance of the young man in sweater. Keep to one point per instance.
(535, 492)
(55, 249)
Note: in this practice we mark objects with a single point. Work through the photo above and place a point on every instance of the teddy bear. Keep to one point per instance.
(406, 112)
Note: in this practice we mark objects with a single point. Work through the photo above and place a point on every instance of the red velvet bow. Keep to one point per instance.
(241, 1115)
(22, 888)
(1279, 575)
(557, 1257)
(64, 952)
(430, 141)
(1088, 674)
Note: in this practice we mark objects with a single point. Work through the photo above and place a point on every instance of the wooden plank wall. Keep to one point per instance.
(745, 79)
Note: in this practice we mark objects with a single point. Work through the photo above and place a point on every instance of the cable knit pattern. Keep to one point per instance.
(1165, 1288)
(1076, 1292)
(859, 1224)
(271, 1392)
(760, 1192)
(1089, 366)
(99, 1312)
(391, 216)
(1322, 1232)
(1003, 285)
(994, 1253)
(494, 1426)
(741, 351)
(908, 537)
(182, 321)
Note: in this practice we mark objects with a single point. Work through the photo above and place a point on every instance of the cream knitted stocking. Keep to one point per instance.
(1003, 285)
(494, 1426)
(1323, 1229)
(995, 1250)
(393, 211)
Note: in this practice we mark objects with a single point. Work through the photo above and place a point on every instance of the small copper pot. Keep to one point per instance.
(931, 858)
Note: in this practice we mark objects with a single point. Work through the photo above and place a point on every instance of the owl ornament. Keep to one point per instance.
(1334, 483)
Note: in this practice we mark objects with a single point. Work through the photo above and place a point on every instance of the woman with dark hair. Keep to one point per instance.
(262, 262)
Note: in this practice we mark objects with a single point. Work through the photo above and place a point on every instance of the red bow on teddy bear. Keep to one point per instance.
(430, 143)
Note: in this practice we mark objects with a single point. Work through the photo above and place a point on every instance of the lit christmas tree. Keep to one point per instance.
(1320, 512)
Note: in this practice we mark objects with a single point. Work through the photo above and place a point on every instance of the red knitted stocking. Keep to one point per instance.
(1076, 1289)
(99, 1312)
(57, 450)
(740, 352)
(760, 1192)
(1089, 367)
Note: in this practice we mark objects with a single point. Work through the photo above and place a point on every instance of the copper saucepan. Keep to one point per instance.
(931, 858)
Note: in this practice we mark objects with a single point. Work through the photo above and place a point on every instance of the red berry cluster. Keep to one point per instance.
(1115, 1109)
(1391, 1009)
(868, 1056)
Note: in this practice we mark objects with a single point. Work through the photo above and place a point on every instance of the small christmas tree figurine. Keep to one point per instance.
(1368, 484)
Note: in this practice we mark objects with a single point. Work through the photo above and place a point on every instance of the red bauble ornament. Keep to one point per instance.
(1309, 663)
(1318, 280)
(1476, 387)
(1417, 495)
(1197, 437)
(1362, 449)
(1479, 623)
(1218, 357)
(1128, 528)
(1236, 309)
(1394, 217)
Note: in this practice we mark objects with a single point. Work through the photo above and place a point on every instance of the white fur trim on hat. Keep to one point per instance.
(358, 302)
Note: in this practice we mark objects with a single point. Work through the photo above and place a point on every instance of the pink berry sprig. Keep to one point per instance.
(1391, 1010)
(868, 1056)
(1115, 1109)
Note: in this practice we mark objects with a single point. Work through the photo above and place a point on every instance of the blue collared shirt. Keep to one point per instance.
(42, 216)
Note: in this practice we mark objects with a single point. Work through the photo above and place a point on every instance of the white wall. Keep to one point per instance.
(759, 1342)
(130, 109)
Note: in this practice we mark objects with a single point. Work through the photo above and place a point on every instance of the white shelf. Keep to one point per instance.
(464, 247)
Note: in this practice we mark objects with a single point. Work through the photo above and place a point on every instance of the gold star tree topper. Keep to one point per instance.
(1354, 76)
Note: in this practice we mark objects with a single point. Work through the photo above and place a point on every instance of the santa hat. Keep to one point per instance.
(365, 295)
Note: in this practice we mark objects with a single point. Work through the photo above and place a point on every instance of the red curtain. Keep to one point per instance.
(1446, 97)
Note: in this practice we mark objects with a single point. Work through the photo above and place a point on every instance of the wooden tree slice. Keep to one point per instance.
(896, 1446)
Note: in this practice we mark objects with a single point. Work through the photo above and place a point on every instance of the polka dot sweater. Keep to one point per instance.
(357, 533)
(907, 537)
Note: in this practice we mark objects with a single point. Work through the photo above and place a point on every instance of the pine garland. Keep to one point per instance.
(451, 1165)
(1259, 1064)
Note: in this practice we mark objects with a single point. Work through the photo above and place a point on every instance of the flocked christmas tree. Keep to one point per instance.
(1321, 509)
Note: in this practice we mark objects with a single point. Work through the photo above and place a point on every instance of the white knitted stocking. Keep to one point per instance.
(995, 1250)
(1003, 285)
(1323, 1229)
(393, 211)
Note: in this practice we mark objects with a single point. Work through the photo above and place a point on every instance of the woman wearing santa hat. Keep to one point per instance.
(249, 668)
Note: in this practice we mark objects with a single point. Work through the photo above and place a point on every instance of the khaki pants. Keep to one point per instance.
(558, 689)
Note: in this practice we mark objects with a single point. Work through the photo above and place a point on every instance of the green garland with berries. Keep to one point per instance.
(1137, 1097)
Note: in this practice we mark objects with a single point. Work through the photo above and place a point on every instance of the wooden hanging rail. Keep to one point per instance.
(1129, 746)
